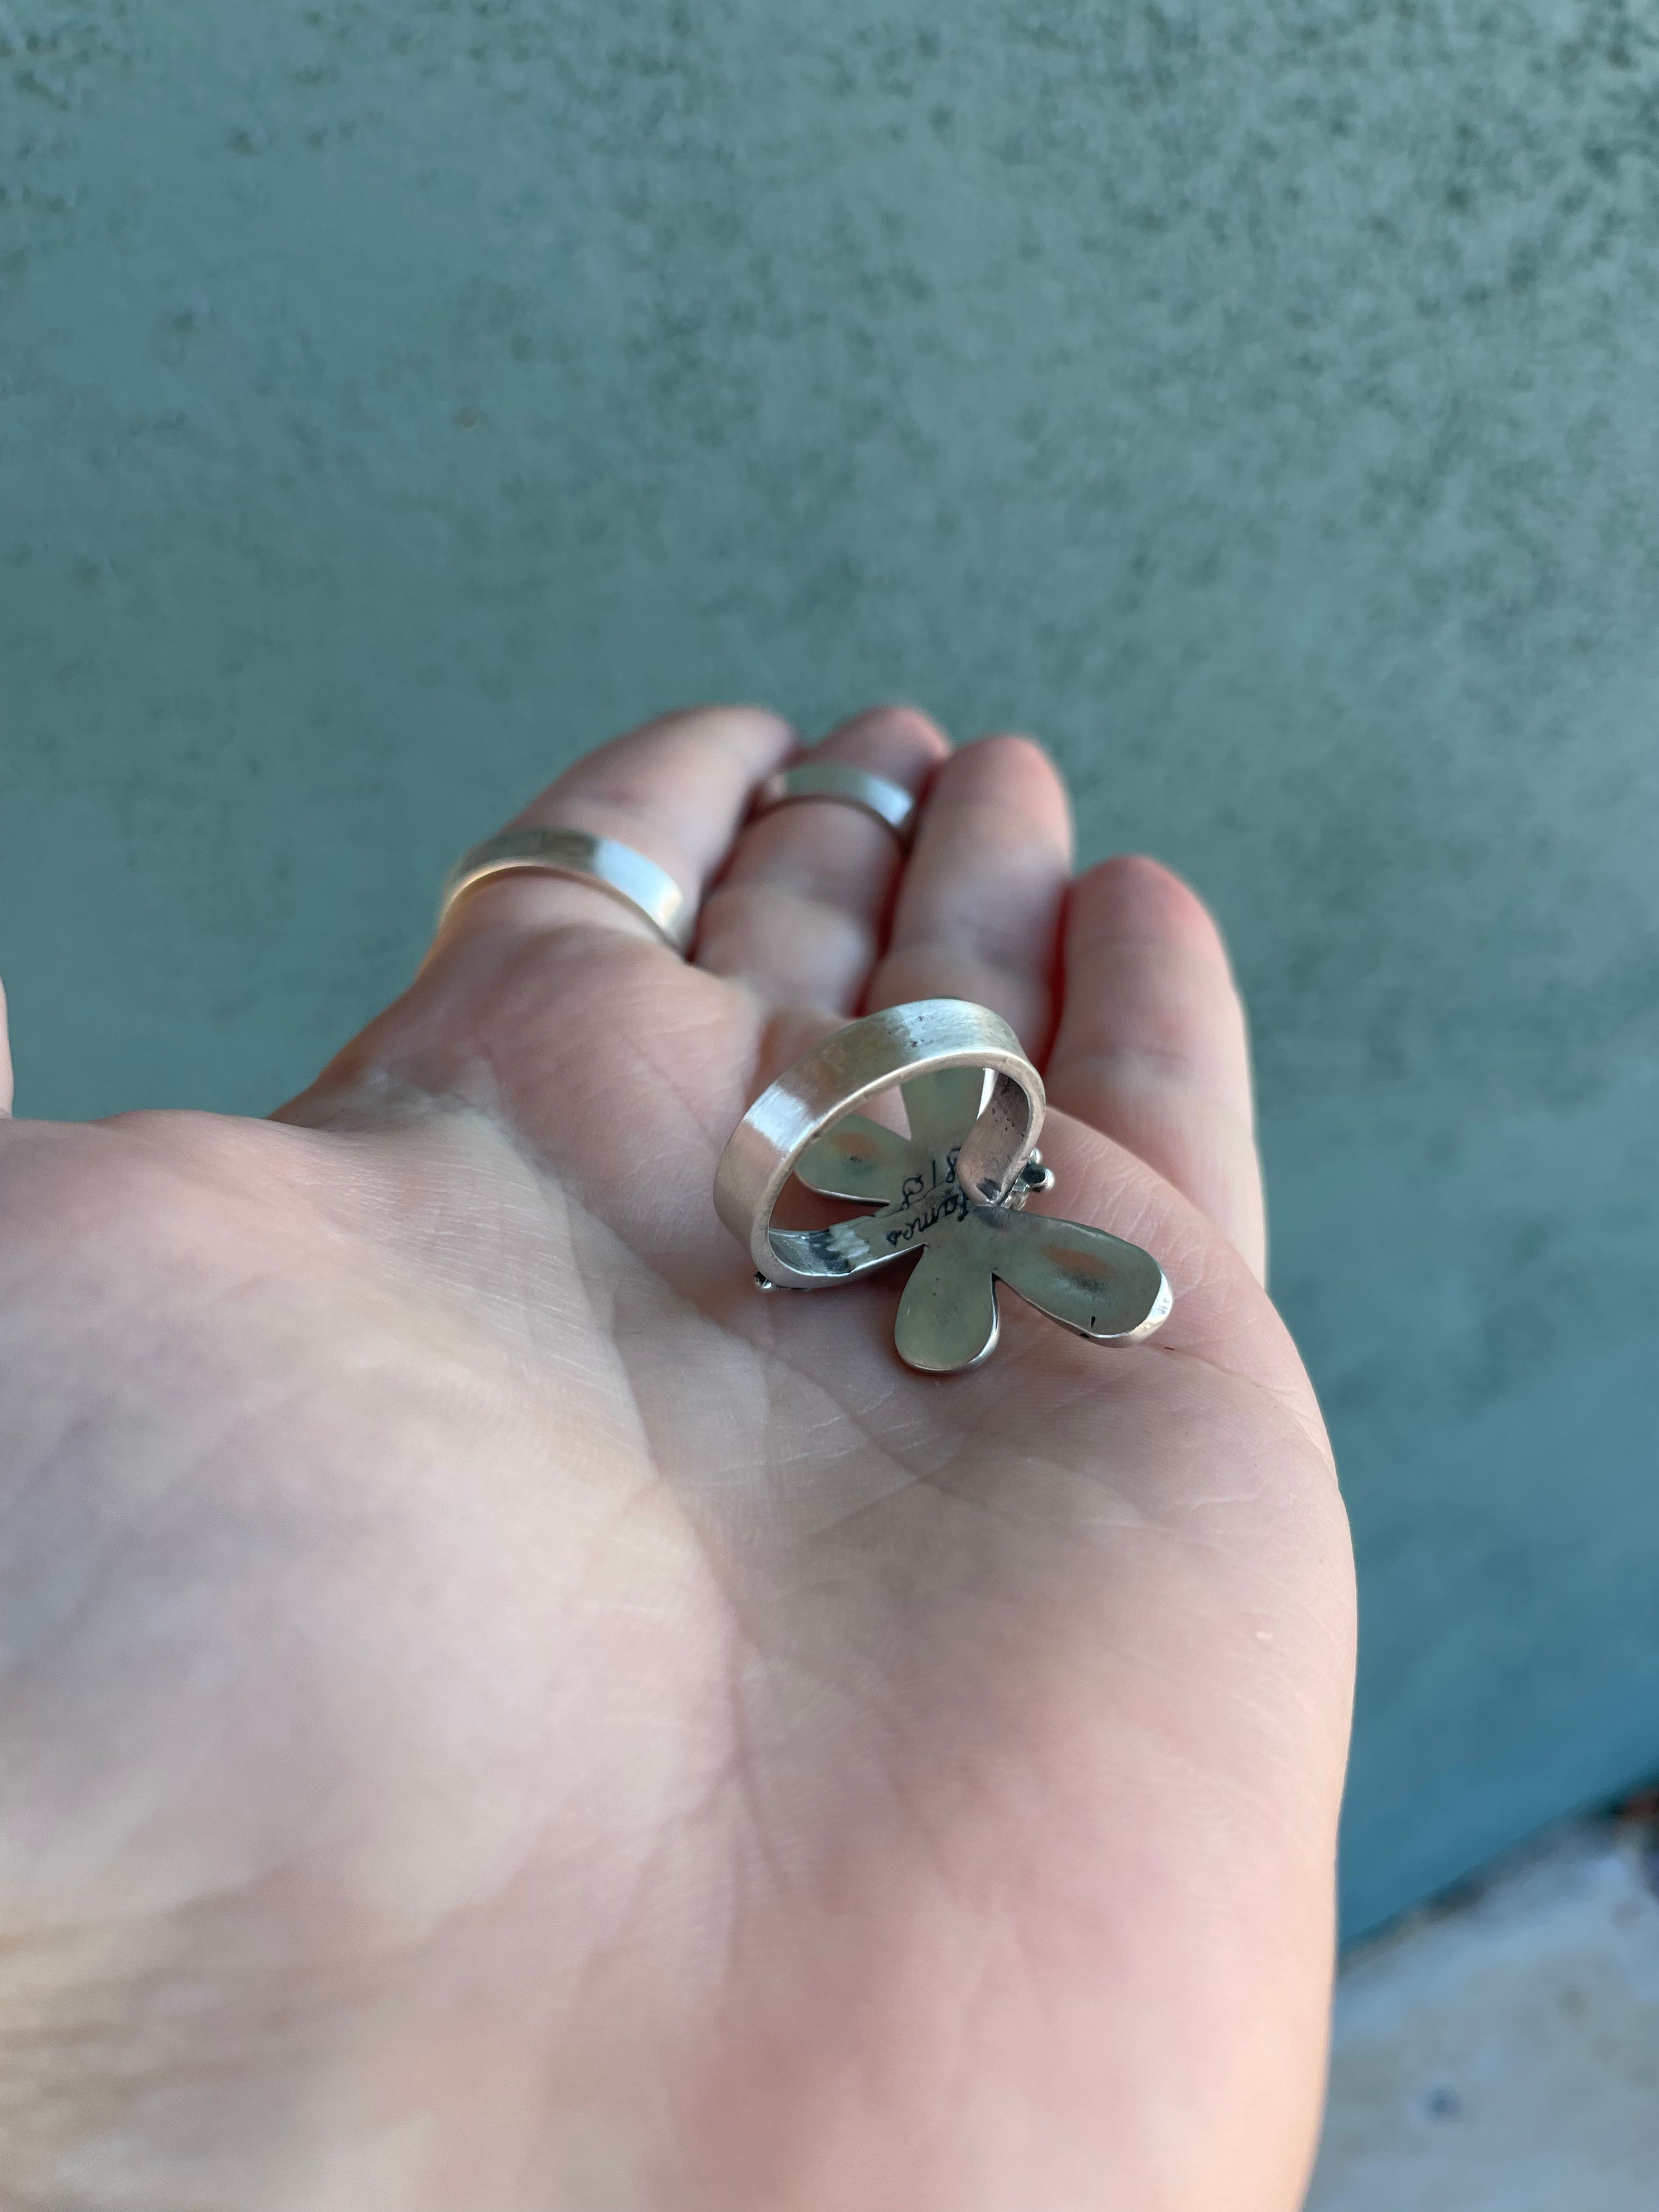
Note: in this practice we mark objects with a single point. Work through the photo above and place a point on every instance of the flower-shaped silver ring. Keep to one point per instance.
(952, 1191)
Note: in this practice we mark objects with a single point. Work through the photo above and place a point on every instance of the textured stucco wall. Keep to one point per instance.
(1257, 401)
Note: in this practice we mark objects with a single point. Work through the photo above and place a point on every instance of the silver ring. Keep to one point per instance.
(847, 1070)
(891, 803)
(604, 862)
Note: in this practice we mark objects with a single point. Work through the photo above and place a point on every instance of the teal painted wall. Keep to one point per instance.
(1256, 401)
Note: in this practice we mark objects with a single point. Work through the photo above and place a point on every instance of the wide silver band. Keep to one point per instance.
(607, 864)
(891, 803)
(844, 1073)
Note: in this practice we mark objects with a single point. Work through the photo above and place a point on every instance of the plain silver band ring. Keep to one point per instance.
(845, 1072)
(891, 804)
(604, 862)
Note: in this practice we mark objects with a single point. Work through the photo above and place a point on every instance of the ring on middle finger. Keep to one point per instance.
(888, 803)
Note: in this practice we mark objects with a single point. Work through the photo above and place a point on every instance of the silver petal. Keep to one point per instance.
(947, 1318)
(858, 1158)
(942, 1108)
(1107, 1289)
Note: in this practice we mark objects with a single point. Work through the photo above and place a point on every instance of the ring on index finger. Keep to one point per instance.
(605, 862)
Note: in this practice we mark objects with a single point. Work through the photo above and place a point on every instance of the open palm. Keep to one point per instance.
(495, 1716)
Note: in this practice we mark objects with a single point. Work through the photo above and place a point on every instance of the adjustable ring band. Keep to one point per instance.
(845, 1072)
(609, 866)
(891, 803)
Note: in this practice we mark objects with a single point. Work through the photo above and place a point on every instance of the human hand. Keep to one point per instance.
(497, 1716)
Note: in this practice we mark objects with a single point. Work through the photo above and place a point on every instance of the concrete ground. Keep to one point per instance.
(1499, 2052)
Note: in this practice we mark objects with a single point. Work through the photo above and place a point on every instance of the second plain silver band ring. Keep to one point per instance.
(890, 803)
(605, 862)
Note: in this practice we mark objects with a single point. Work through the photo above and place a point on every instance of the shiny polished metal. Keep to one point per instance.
(610, 866)
(891, 803)
(953, 1190)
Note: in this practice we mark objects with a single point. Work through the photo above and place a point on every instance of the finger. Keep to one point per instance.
(674, 789)
(5, 1058)
(979, 906)
(799, 913)
(1153, 1048)
(545, 1001)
